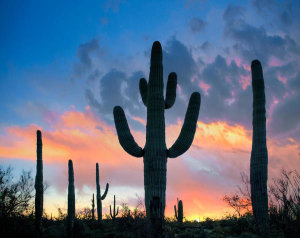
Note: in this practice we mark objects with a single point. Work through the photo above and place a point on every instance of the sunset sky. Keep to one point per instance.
(65, 65)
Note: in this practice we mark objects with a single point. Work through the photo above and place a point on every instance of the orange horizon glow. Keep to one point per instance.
(209, 170)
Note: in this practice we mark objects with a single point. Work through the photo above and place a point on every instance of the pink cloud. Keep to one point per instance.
(282, 79)
(204, 86)
(275, 62)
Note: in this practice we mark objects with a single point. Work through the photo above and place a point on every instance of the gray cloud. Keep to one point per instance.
(286, 115)
(226, 99)
(284, 14)
(254, 42)
(196, 25)
(251, 42)
(114, 5)
(118, 88)
(84, 52)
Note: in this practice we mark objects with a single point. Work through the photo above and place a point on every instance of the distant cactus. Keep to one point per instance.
(93, 208)
(39, 188)
(155, 152)
(99, 197)
(259, 154)
(114, 214)
(71, 201)
(179, 214)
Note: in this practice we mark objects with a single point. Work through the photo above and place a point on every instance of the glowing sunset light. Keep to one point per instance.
(64, 67)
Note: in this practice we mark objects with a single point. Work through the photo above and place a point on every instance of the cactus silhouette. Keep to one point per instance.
(259, 153)
(93, 208)
(179, 213)
(155, 152)
(99, 197)
(114, 214)
(39, 188)
(71, 200)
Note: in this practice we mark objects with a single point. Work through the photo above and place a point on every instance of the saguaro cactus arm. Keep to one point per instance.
(144, 90)
(175, 212)
(186, 136)
(114, 214)
(105, 193)
(125, 138)
(171, 90)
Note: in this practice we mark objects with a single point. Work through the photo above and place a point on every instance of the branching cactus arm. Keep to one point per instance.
(186, 136)
(171, 90)
(105, 193)
(125, 138)
(175, 212)
(144, 90)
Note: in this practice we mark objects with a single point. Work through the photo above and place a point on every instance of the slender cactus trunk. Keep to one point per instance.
(259, 154)
(155, 158)
(71, 201)
(93, 208)
(39, 188)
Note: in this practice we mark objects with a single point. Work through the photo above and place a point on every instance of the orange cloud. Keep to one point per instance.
(200, 177)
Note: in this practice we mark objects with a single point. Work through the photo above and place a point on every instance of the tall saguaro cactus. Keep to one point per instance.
(71, 200)
(179, 212)
(155, 152)
(259, 153)
(99, 197)
(39, 188)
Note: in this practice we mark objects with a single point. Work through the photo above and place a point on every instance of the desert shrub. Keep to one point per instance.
(208, 223)
(285, 203)
(15, 195)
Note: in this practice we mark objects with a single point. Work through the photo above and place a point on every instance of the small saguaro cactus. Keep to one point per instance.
(71, 200)
(179, 212)
(99, 197)
(114, 214)
(155, 152)
(93, 208)
(39, 188)
(259, 153)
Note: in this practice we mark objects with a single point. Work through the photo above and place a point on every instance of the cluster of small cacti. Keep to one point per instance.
(179, 211)
(155, 152)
